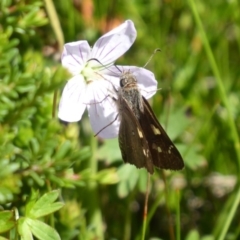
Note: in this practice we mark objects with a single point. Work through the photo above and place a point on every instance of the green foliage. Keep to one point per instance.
(29, 225)
(198, 104)
(6, 221)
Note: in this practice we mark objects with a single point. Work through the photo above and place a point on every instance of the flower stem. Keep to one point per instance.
(145, 212)
(178, 221)
(54, 21)
(95, 215)
(230, 216)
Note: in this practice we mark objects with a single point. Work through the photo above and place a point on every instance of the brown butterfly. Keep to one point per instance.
(142, 140)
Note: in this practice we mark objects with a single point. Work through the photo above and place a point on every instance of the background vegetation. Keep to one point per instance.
(58, 181)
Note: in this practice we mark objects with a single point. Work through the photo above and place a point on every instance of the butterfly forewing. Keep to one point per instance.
(132, 142)
(164, 153)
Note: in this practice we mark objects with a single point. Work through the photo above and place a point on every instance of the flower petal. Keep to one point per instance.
(75, 55)
(103, 110)
(115, 43)
(72, 103)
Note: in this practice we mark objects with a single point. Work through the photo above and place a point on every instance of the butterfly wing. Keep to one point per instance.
(164, 153)
(132, 142)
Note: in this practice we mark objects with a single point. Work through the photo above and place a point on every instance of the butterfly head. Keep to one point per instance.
(127, 79)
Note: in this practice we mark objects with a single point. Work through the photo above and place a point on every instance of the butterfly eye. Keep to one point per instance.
(122, 82)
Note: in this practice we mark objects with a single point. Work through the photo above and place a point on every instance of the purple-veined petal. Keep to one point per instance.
(72, 103)
(75, 55)
(115, 43)
(102, 109)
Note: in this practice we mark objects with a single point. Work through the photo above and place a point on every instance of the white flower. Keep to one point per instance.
(93, 80)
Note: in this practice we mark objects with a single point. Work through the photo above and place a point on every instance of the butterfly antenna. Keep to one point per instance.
(155, 51)
(117, 68)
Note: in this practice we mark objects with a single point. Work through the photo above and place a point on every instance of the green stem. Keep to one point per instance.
(230, 216)
(170, 226)
(154, 206)
(145, 211)
(127, 222)
(95, 215)
(55, 23)
(178, 225)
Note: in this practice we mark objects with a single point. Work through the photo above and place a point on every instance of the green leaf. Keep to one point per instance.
(142, 182)
(193, 235)
(63, 150)
(208, 237)
(41, 230)
(128, 179)
(24, 230)
(176, 128)
(37, 178)
(155, 238)
(191, 157)
(109, 151)
(31, 201)
(6, 221)
(45, 205)
(2, 238)
(108, 176)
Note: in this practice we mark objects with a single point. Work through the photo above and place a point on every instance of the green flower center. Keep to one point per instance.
(91, 72)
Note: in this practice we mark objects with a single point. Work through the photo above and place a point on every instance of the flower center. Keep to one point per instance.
(91, 72)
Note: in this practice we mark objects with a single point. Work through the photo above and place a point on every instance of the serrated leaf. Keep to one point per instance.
(41, 230)
(45, 205)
